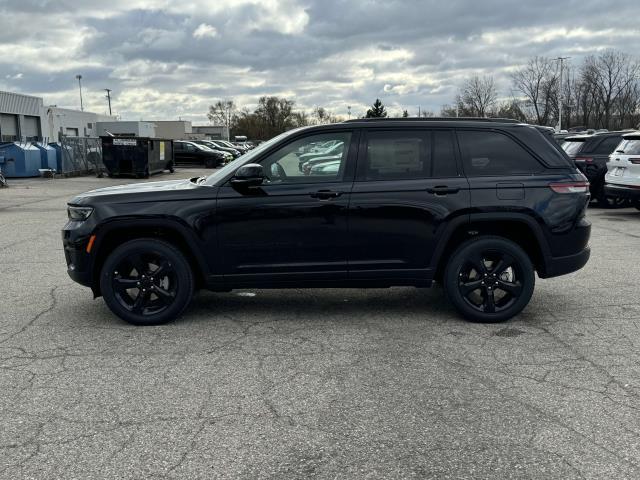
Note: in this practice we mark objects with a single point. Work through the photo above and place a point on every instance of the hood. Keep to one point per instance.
(134, 189)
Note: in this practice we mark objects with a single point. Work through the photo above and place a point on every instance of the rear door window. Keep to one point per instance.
(490, 153)
(408, 155)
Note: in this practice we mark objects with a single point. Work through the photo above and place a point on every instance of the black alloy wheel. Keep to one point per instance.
(146, 282)
(490, 279)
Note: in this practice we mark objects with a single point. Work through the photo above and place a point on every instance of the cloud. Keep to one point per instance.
(168, 59)
(205, 30)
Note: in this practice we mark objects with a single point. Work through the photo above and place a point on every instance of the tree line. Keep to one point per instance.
(603, 91)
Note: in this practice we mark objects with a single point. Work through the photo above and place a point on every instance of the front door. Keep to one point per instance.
(294, 226)
(407, 187)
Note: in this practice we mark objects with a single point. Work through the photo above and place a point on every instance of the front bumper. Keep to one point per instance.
(622, 191)
(76, 256)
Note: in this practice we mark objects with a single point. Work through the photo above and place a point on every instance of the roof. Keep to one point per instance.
(434, 119)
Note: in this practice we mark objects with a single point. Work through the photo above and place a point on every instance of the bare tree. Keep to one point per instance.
(479, 96)
(537, 81)
(608, 77)
(221, 113)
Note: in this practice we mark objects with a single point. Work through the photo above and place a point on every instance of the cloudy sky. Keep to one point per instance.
(166, 59)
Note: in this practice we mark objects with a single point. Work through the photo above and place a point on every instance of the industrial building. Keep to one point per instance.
(214, 132)
(72, 123)
(127, 129)
(20, 117)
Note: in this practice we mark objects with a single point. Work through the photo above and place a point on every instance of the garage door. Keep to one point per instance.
(8, 127)
(31, 127)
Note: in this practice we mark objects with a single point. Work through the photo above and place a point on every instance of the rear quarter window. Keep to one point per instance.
(490, 153)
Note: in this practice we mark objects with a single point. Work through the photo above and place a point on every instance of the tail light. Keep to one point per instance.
(635, 161)
(584, 159)
(570, 187)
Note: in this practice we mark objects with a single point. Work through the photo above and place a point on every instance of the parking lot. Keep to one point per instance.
(313, 383)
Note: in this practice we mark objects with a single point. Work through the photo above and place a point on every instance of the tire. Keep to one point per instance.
(164, 299)
(473, 264)
(210, 163)
(172, 168)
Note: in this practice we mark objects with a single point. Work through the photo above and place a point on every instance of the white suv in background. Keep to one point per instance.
(623, 170)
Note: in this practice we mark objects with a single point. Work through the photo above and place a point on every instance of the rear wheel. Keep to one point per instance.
(146, 282)
(489, 279)
(210, 163)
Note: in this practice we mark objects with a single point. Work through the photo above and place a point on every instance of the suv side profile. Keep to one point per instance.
(478, 205)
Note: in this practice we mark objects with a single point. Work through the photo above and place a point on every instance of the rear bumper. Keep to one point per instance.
(571, 263)
(622, 191)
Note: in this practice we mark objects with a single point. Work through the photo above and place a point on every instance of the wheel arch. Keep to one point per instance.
(114, 234)
(522, 229)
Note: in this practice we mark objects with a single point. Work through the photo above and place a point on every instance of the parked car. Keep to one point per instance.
(228, 156)
(241, 148)
(623, 175)
(478, 205)
(191, 153)
(591, 154)
(218, 145)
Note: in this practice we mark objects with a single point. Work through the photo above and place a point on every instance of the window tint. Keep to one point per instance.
(398, 155)
(607, 146)
(494, 154)
(312, 159)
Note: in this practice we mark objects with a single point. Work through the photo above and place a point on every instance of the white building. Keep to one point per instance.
(127, 129)
(20, 117)
(214, 132)
(72, 123)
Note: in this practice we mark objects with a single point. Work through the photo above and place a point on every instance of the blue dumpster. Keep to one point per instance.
(19, 160)
(47, 156)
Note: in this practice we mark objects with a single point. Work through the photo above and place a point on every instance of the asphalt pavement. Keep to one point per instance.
(338, 384)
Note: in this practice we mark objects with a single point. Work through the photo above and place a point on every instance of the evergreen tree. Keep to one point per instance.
(405, 113)
(377, 110)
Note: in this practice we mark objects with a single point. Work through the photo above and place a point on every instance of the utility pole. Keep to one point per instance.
(561, 60)
(349, 111)
(419, 112)
(108, 90)
(79, 77)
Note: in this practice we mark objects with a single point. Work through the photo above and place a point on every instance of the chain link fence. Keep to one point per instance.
(80, 156)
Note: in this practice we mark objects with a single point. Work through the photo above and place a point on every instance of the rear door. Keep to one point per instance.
(408, 186)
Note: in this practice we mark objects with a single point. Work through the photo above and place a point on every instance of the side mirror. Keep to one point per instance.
(249, 175)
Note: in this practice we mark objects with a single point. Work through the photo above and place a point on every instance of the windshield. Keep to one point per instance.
(629, 146)
(246, 158)
(572, 146)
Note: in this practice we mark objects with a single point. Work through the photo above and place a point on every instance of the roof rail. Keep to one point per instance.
(434, 119)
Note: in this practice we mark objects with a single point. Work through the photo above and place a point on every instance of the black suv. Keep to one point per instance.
(191, 153)
(477, 205)
(591, 154)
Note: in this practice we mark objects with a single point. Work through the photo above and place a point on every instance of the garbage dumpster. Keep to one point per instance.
(19, 160)
(47, 156)
(136, 156)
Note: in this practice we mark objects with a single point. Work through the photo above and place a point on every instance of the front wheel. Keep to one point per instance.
(146, 282)
(489, 279)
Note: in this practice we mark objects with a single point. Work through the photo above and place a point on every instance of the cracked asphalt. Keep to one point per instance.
(338, 384)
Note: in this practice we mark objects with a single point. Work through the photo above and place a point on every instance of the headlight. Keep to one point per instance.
(79, 214)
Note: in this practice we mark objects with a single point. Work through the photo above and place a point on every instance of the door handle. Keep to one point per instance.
(325, 194)
(442, 190)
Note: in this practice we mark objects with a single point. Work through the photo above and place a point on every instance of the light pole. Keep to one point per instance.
(349, 111)
(561, 60)
(79, 77)
(108, 90)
